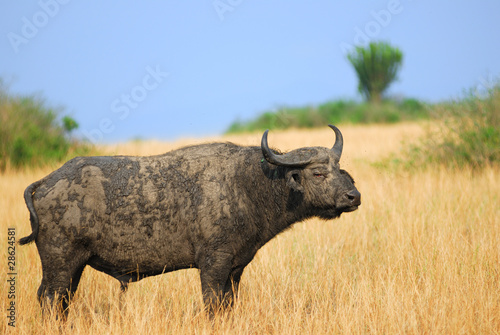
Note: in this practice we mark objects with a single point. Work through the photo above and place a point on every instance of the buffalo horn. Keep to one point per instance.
(339, 141)
(289, 159)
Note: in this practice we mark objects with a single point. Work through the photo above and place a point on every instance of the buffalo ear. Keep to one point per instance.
(293, 180)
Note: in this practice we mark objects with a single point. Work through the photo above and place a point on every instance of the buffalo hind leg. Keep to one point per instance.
(56, 291)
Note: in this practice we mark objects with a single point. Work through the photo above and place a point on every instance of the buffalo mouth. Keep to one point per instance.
(333, 212)
(349, 209)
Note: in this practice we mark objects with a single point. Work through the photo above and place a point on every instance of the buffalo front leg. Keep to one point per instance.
(232, 285)
(215, 271)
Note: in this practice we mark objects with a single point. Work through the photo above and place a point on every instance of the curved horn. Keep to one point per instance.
(339, 141)
(290, 159)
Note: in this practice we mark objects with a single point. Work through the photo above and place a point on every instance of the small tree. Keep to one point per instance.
(69, 124)
(377, 66)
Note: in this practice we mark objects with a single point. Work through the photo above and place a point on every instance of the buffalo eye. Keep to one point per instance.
(317, 174)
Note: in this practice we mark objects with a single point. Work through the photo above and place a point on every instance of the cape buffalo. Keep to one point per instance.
(209, 206)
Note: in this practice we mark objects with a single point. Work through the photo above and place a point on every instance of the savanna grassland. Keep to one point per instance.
(420, 256)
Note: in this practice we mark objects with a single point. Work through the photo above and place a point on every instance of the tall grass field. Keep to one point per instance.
(420, 256)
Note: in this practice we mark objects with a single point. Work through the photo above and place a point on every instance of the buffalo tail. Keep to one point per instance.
(28, 198)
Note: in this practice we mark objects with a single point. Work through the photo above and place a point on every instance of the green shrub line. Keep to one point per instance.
(334, 112)
(33, 134)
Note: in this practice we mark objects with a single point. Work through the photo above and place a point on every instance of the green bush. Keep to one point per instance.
(468, 134)
(32, 134)
(334, 112)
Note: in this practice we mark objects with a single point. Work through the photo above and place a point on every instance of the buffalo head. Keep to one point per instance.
(315, 173)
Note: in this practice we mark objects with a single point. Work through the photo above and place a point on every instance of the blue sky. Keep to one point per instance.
(170, 69)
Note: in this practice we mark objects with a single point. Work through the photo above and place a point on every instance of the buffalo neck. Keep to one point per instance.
(276, 205)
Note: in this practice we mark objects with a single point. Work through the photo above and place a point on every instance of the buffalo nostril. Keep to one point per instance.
(354, 197)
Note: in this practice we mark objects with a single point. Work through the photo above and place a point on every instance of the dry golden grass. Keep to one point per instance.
(420, 256)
